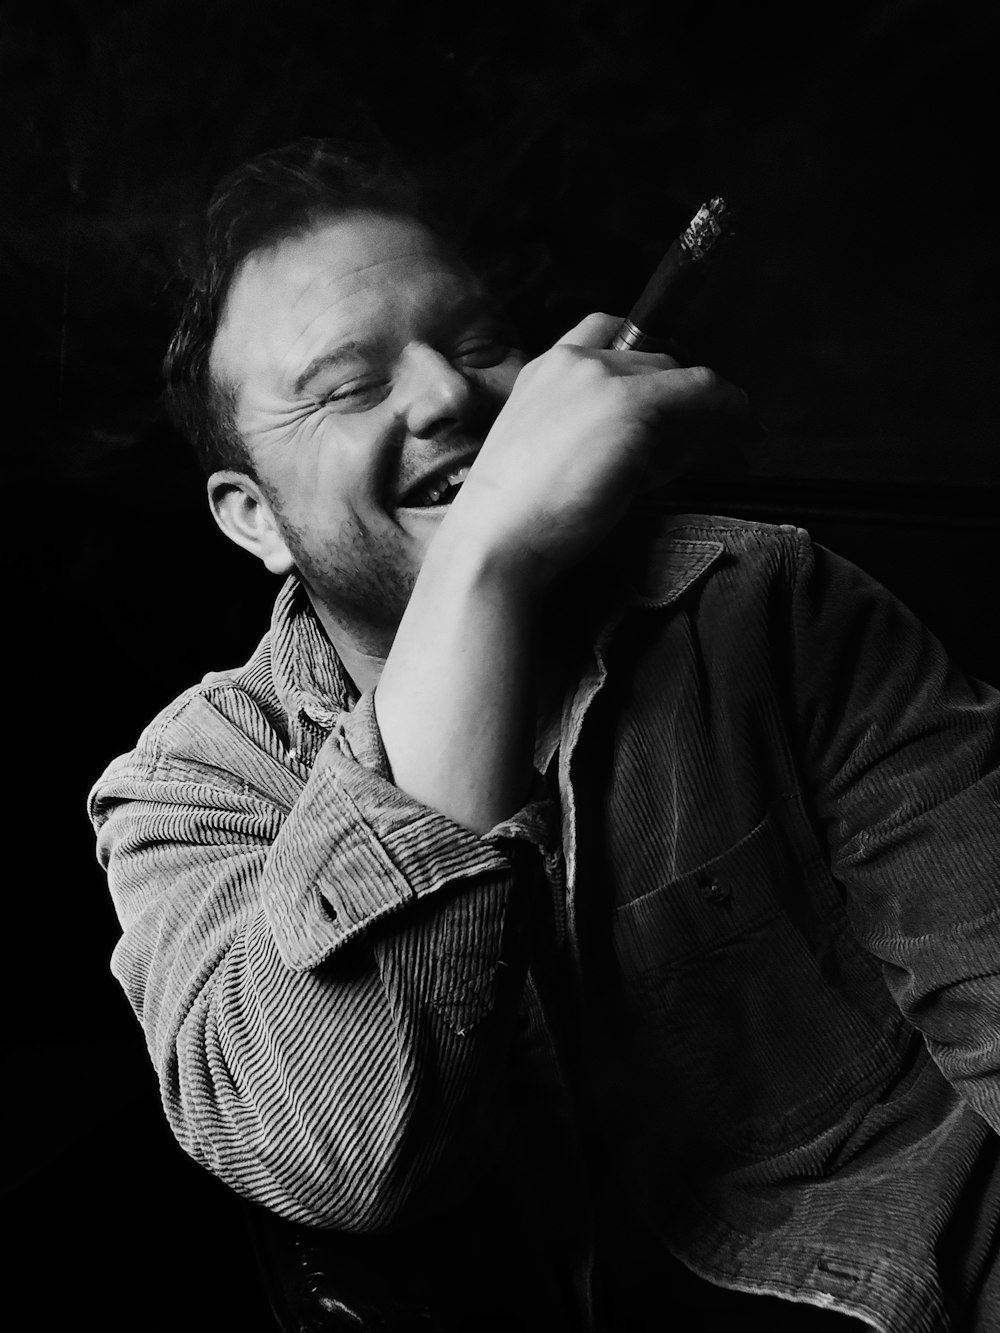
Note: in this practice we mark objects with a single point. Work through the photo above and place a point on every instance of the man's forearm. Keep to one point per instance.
(583, 432)
(455, 702)
(318, 947)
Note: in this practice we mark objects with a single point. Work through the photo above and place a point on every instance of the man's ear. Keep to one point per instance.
(244, 515)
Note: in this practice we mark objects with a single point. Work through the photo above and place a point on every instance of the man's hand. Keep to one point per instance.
(584, 431)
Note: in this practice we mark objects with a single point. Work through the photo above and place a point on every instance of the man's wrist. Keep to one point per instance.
(470, 552)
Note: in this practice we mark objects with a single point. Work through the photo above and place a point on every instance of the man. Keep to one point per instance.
(599, 884)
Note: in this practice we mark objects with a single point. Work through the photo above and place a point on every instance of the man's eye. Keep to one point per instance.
(357, 394)
(481, 353)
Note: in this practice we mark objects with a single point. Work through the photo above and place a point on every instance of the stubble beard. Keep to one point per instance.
(360, 587)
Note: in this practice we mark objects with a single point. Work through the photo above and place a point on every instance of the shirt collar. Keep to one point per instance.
(308, 674)
(642, 566)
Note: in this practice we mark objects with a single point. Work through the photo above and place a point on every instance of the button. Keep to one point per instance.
(715, 892)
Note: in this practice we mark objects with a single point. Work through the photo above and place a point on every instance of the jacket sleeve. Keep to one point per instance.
(901, 749)
(326, 971)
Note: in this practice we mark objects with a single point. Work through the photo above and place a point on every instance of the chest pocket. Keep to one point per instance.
(753, 1010)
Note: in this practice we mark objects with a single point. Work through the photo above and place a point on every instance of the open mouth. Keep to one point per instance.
(440, 488)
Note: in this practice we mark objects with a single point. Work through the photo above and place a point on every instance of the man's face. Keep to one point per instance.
(368, 366)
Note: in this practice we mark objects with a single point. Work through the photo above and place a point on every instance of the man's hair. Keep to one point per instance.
(282, 193)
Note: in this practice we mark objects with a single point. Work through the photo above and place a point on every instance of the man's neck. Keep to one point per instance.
(362, 656)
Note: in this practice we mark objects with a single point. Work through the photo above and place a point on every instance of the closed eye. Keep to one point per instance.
(357, 395)
(481, 353)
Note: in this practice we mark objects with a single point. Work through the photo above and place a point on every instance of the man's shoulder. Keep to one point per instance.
(667, 554)
(233, 693)
(207, 722)
(253, 680)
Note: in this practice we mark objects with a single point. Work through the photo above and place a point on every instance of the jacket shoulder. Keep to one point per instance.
(224, 711)
(676, 543)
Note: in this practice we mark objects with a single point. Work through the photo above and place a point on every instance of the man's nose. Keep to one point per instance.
(431, 392)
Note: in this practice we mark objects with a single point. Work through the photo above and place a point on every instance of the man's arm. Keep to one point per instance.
(902, 754)
(584, 431)
(326, 972)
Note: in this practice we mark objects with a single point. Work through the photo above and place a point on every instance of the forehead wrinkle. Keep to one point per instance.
(352, 283)
(299, 251)
(441, 262)
(435, 259)
(338, 344)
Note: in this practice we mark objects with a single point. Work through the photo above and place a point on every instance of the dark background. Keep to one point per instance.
(855, 305)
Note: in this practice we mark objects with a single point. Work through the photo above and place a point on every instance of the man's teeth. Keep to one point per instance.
(433, 494)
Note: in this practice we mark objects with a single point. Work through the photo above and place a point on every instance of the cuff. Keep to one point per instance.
(356, 850)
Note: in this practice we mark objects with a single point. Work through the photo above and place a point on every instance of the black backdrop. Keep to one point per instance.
(576, 138)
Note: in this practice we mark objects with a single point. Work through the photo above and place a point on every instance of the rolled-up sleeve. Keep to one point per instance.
(326, 971)
(901, 749)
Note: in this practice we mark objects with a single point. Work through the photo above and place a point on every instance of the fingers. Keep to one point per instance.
(693, 400)
(695, 397)
(595, 333)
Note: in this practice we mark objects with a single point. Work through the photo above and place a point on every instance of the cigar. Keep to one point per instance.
(679, 274)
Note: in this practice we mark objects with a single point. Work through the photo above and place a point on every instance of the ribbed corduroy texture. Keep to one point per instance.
(779, 810)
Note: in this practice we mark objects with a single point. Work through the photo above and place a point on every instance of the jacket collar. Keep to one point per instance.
(667, 566)
(650, 561)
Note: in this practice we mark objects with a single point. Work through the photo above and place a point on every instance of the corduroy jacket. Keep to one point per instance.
(743, 947)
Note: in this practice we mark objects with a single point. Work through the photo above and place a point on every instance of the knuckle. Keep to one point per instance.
(563, 356)
(702, 378)
(574, 363)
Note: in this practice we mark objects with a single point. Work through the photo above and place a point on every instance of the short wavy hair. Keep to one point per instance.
(281, 193)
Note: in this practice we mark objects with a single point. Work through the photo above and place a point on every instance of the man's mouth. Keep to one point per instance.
(440, 488)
